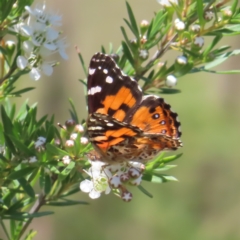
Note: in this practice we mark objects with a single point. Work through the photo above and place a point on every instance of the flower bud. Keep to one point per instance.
(143, 54)
(70, 125)
(84, 140)
(171, 81)
(182, 60)
(69, 143)
(126, 196)
(66, 160)
(195, 28)
(79, 128)
(227, 13)
(179, 25)
(208, 15)
(198, 42)
(144, 26)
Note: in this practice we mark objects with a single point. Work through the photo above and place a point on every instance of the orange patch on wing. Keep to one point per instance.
(103, 146)
(101, 111)
(123, 96)
(120, 132)
(145, 121)
(100, 138)
(115, 141)
(119, 115)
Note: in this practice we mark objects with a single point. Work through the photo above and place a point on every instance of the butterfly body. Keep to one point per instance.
(123, 125)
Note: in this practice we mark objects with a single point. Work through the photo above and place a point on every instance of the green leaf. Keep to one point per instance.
(161, 178)
(24, 90)
(212, 44)
(22, 203)
(128, 53)
(171, 158)
(220, 72)
(55, 150)
(45, 182)
(133, 26)
(169, 91)
(65, 172)
(17, 174)
(7, 124)
(164, 168)
(220, 59)
(82, 62)
(200, 11)
(24, 215)
(157, 24)
(73, 190)
(31, 235)
(234, 6)
(5, 8)
(65, 203)
(26, 187)
(73, 111)
(143, 190)
(21, 146)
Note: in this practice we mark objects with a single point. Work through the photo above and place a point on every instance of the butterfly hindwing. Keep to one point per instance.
(154, 116)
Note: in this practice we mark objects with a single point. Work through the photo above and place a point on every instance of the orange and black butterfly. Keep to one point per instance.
(123, 125)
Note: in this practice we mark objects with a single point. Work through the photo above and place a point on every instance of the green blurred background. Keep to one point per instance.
(205, 203)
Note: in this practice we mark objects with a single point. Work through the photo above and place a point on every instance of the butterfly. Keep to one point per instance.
(124, 125)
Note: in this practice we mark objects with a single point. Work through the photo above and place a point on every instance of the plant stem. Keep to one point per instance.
(35, 208)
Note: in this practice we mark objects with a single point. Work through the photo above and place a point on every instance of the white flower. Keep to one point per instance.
(208, 15)
(61, 46)
(41, 15)
(182, 60)
(143, 54)
(179, 25)
(112, 176)
(66, 160)
(32, 159)
(167, 3)
(43, 40)
(98, 183)
(35, 72)
(40, 142)
(171, 81)
(199, 41)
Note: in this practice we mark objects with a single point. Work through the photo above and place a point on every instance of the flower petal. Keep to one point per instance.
(35, 74)
(86, 186)
(94, 194)
(47, 69)
(22, 62)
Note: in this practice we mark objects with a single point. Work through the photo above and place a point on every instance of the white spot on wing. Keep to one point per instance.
(94, 90)
(110, 124)
(109, 79)
(91, 71)
(123, 73)
(99, 67)
(95, 128)
(105, 71)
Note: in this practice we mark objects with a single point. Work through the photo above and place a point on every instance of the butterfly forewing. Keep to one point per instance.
(110, 91)
(122, 124)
